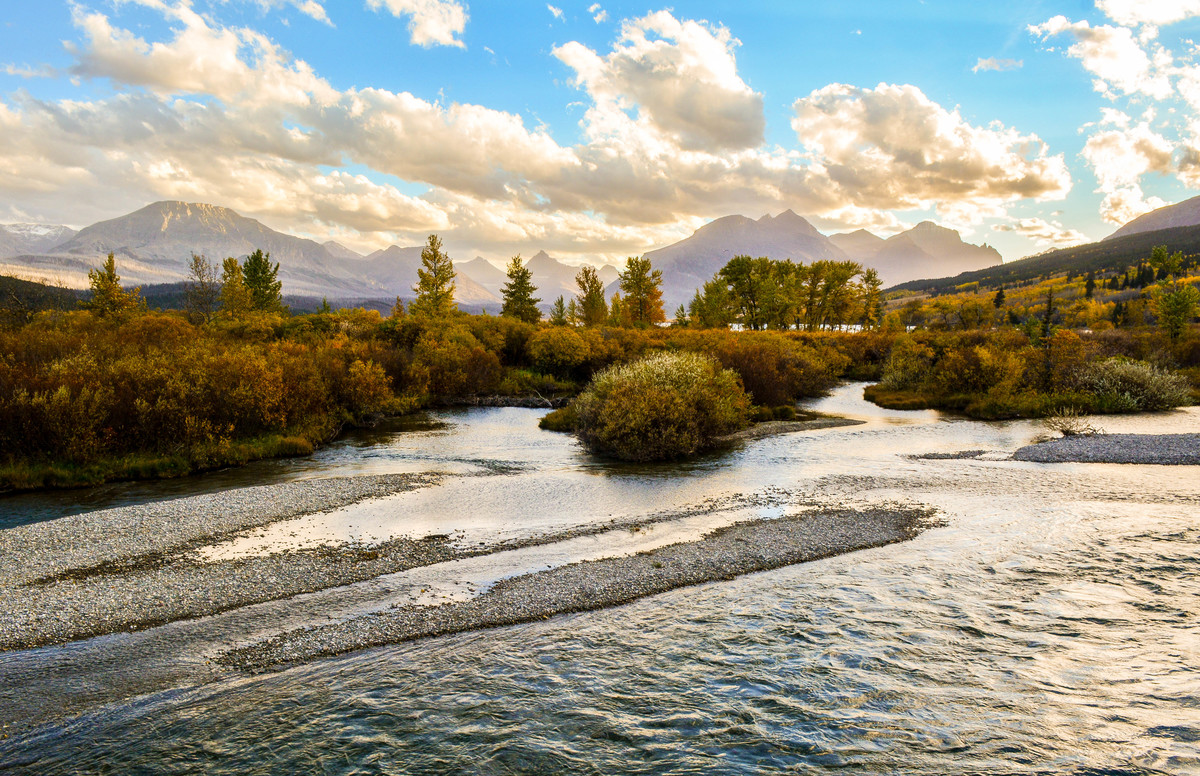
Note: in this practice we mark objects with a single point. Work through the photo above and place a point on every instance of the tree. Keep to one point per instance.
(558, 313)
(998, 299)
(643, 292)
(1175, 305)
(397, 310)
(681, 316)
(1089, 286)
(203, 289)
(235, 297)
(262, 281)
(435, 282)
(592, 306)
(872, 299)
(617, 314)
(109, 300)
(712, 308)
(519, 301)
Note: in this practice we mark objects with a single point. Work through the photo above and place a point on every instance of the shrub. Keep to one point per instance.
(562, 419)
(667, 405)
(1069, 421)
(908, 366)
(557, 350)
(777, 371)
(1123, 385)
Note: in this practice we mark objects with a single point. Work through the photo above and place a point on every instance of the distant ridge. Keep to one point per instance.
(1186, 213)
(1114, 253)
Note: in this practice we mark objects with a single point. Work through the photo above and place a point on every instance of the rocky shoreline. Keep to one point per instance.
(724, 554)
(1161, 449)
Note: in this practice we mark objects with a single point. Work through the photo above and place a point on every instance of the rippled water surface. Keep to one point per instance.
(1051, 625)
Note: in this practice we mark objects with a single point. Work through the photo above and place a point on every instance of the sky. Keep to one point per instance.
(600, 130)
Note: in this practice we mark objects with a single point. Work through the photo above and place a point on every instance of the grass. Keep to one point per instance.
(28, 475)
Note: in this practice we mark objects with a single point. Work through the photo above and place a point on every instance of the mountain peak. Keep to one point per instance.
(1185, 213)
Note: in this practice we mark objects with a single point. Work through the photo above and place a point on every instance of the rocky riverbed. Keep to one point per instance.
(1164, 449)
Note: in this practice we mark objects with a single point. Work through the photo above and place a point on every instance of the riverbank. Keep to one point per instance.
(131, 568)
(724, 554)
(1163, 449)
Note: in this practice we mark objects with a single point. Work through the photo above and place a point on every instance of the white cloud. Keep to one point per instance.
(1131, 13)
(892, 147)
(672, 135)
(997, 65)
(681, 78)
(1045, 234)
(310, 8)
(1119, 158)
(1112, 54)
(430, 22)
(556, 12)
(598, 14)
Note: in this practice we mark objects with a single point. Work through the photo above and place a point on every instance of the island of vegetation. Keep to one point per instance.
(116, 390)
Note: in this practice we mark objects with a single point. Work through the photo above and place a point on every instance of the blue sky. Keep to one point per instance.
(600, 130)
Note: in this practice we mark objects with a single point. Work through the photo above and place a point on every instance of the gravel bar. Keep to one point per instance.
(724, 554)
(135, 535)
(775, 427)
(1166, 449)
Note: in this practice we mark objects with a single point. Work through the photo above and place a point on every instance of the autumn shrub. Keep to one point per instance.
(557, 350)
(777, 371)
(452, 362)
(1124, 385)
(909, 366)
(664, 406)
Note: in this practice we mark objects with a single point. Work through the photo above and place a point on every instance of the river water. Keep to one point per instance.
(1051, 624)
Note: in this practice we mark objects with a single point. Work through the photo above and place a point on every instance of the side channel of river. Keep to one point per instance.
(1050, 625)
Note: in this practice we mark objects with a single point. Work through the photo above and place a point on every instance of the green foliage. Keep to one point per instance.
(519, 301)
(667, 405)
(262, 282)
(109, 300)
(558, 313)
(435, 283)
(593, 309)
(235, 296)
(1124, 385)
(643, 293)
(1175, 304)
(562, 420)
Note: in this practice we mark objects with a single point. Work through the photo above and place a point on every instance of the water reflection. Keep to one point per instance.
(1052, 625)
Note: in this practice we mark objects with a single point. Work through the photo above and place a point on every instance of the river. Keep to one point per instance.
(1051, 623)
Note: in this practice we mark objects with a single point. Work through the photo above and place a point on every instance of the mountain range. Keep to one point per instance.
(154, 244)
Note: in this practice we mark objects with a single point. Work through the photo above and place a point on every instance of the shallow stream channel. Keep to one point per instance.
(462, 592)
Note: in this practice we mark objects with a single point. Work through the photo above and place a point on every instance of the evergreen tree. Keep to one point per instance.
(998, 299)
(397, 309)
(558, 313)
(519, 301)
(203, 289)
(1089, 286)
(681, 316)
(435, 282)
(261, 279)
(643, 292)
(573, 316)
(592, 306)
(109, 300)
(235, 297)
(517, 293)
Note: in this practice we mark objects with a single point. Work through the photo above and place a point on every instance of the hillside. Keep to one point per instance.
(1111, 254)
(1186, 213)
